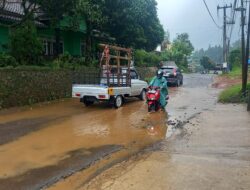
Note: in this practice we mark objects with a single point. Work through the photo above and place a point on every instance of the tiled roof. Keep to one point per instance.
(13, 11)
(14, 7)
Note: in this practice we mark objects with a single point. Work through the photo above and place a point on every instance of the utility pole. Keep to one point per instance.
(245, 75)
(225, 48)
(243, 57)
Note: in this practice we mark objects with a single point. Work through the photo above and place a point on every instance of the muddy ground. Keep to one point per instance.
(42, 145)
(67, 146)
(207, 147)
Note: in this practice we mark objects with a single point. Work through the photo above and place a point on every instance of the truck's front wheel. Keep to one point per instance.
(118, 102)
(142, 96)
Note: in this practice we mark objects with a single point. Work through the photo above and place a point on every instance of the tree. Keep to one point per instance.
(181, 49)
(92, 11)
(213, 52)
(25, 45)
(207, 63)
(183, 44)
(55, 10)
(134, 23)
(166, 42)
(235, 58)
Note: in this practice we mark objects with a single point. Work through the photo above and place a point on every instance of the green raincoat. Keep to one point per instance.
(162, 83)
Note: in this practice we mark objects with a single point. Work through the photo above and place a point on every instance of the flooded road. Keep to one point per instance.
(64, 145)
(42, 145)
(207, 147)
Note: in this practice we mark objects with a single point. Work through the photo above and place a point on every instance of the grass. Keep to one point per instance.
(233, 95)
(235, 73)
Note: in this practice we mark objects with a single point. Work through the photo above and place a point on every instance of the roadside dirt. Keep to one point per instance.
(222, 82)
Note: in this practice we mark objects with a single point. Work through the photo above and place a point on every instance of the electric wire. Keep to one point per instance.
(209, 12)
(234, 15)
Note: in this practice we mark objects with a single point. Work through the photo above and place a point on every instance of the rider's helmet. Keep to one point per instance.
(159, 73)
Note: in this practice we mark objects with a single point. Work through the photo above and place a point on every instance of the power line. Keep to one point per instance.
(233, 15)
(211, 15)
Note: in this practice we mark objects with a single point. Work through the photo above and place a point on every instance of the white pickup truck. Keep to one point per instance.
(89, 94)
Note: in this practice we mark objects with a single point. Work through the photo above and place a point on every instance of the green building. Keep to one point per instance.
(72, 42)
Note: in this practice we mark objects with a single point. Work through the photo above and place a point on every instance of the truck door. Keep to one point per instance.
(135, 83)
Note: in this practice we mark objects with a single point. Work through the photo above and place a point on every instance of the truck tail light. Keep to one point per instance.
(102, 96)
(78, 95)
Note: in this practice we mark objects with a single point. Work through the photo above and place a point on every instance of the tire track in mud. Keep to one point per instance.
(73, 162)
(11, 131)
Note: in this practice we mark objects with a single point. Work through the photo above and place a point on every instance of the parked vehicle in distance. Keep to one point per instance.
(173, 75)
(216, 72)
(115, 82)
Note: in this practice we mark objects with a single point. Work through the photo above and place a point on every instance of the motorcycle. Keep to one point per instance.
(153, 99)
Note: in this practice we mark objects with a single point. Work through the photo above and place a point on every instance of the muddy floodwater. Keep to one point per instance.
(207, 147)
(197, 144)
(42, 145)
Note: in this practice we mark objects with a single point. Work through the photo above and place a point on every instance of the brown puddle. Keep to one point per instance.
(79, 128)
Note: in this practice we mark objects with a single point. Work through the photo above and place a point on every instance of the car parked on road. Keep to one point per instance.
(173, 75)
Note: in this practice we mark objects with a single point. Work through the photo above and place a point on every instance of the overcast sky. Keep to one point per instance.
(191, 16)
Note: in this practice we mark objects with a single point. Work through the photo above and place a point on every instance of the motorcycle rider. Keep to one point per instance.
(161, 82)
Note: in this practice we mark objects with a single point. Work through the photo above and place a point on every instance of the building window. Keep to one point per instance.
(49, 47)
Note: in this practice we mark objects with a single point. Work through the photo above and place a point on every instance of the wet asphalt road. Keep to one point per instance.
(207, 147)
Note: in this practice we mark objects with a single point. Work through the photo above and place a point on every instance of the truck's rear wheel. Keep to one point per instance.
(118, 102)
(88, 103)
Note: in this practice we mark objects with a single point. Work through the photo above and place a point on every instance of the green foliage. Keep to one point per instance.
(215, 53)
(143, 58)
(56, 9)
(207, 63)
(134, 23)
(183, 45)
(235, 73)
(235, 58)
(25, 46)
(7, 60)
(233, 95)
(66, 61)
(92, 11)
(181, 49)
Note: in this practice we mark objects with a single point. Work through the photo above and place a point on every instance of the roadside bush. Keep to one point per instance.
(235, 58)
(7, 60)
(25, 45)
(233, 95)
(143, 58)
(66, 61)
